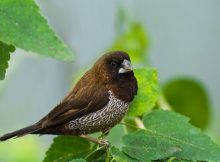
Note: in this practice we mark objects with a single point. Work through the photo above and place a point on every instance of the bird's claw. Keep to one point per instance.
(103, 142)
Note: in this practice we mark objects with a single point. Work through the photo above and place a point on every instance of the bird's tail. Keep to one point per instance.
(21, 132)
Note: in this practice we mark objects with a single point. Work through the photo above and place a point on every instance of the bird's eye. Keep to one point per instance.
(114, 64)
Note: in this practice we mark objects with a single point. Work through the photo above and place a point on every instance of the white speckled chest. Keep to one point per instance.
(103, 119)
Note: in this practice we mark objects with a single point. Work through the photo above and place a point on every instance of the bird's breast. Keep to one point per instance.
(103, 119)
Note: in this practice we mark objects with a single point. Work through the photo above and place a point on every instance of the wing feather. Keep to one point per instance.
(87, 98)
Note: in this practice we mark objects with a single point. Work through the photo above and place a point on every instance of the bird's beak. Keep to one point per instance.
(125, 67)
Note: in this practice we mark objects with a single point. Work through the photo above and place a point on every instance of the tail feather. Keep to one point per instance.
(21, 132)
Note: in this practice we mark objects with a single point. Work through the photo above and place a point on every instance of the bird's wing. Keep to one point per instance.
(85, 100)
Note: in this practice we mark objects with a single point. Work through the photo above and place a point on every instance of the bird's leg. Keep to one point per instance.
(97, 141)
(104, 134)
(89, 138)
(102, 138)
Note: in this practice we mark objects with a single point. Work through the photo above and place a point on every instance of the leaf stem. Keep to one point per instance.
(162, 103)
(133, 126)
(108, 155)
(96, 153)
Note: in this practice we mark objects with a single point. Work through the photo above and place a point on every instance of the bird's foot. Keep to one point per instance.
(97, 141)
(103, 142)
(103, 135)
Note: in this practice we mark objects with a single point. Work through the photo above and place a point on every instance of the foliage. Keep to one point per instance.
(66, 148)
(23, 26)
(120, 156)
(4, 58)
(153, 134)
(78, 160)
(131, 37)
(162, 138)
(134, 41)
(148, 91)
(188, 97)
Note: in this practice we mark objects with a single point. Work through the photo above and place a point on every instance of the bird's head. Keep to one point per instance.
(113, 66)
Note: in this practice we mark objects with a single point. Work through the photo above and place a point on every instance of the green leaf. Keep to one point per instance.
(134, 41)
(119, 156)
(169, 134)
(66, 148)
(144, 147)
(132, 124)
(189, 98)
(4, 58)
(148, 91)
(22, 25)
(96, 153)
(78, 160)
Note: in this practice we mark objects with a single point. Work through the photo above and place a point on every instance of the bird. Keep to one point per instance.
(97, 102)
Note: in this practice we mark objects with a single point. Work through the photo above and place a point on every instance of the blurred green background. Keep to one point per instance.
(180, 38)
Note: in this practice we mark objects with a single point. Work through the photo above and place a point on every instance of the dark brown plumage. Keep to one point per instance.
(97, 102)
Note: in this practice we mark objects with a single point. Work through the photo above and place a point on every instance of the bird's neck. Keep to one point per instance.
(125, 88)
